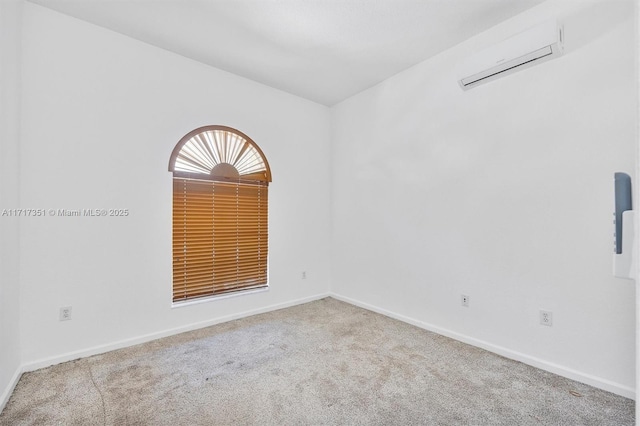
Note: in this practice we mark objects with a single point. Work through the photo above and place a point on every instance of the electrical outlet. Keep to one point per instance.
(65, 313)
(546, 318)
(464, 300)
(304, 275)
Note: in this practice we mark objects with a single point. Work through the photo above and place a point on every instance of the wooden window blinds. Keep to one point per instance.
(220, 214)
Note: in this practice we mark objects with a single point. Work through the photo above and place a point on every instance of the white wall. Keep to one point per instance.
(10, 18)
(101, 115)
(503, 193)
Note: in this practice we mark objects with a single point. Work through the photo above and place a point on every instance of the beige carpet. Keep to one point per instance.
(321, 363)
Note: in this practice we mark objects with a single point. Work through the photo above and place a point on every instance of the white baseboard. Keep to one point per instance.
(560, 370)
(46, 362)
(6, 394)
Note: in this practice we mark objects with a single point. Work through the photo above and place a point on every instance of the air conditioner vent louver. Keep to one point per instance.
(523, 50)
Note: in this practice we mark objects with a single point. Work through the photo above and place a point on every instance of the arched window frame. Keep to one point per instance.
(217, 169)
(186, 138)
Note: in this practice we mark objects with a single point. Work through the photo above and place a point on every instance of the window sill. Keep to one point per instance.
(217, 297)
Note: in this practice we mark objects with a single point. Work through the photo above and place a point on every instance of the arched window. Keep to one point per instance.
(220, 182)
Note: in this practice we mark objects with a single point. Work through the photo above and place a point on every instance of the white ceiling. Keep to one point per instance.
(322, 50)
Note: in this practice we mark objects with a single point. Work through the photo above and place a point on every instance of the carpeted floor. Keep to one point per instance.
(321, 363)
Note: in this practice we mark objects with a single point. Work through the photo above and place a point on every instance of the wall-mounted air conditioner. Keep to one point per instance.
(533, 46)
